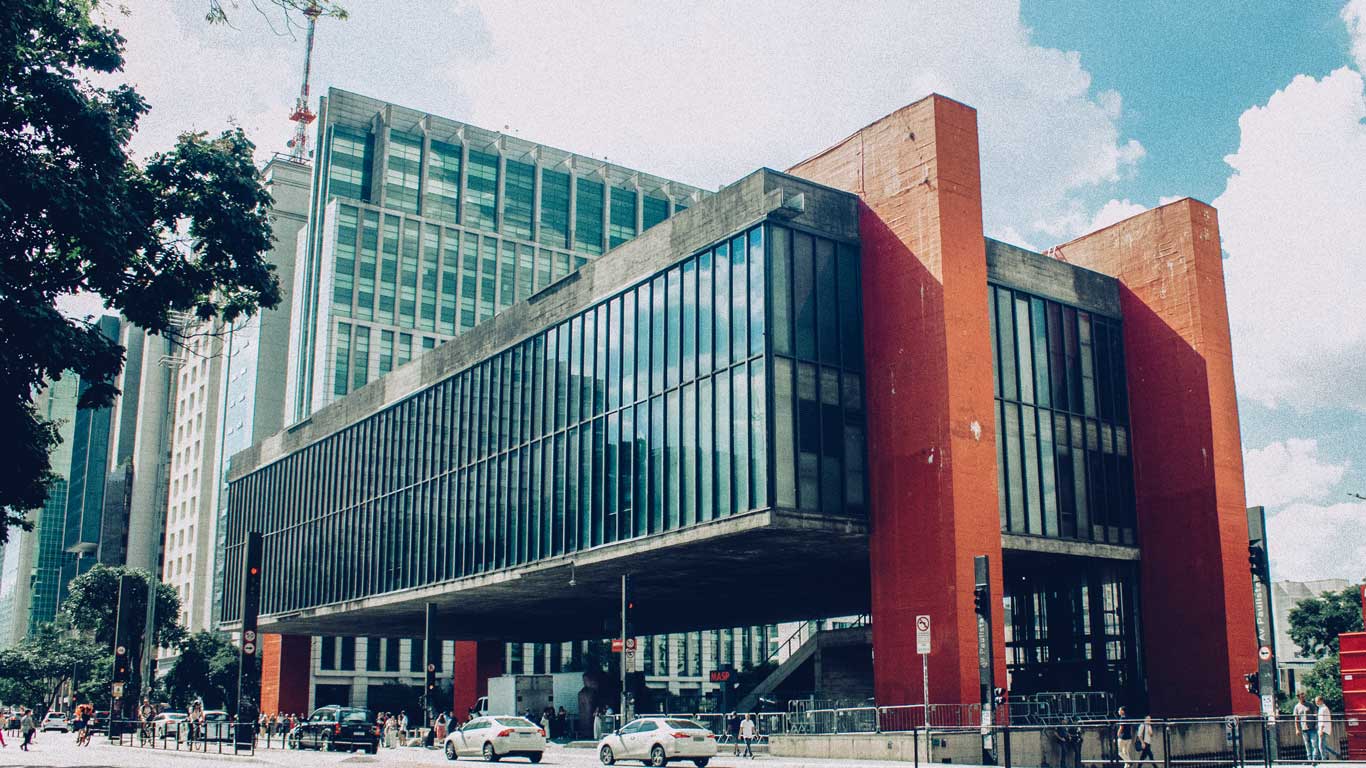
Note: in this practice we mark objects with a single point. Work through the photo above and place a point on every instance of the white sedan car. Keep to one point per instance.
(55, 721)
(171, 725)
(657, 741)
(494, 738)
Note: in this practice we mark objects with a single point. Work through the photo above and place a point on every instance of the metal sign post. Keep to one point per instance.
(981, 596)
(1264, 619)
(922, 647)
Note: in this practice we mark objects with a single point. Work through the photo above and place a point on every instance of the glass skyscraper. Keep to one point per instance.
(421, 227)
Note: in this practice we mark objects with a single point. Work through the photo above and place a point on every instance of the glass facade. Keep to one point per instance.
(1062, 421)
(450, 235)
(652, 410)
(1072, 628)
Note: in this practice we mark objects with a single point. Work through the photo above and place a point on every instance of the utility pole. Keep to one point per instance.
(625, 652)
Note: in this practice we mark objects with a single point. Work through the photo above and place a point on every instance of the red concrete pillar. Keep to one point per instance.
(286, 662)
(931, 423)
(1196, 589)
(475, 662)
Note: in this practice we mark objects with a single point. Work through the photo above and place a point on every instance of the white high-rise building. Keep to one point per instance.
(227, 391)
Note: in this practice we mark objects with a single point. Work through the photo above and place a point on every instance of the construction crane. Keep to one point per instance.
(302, 115)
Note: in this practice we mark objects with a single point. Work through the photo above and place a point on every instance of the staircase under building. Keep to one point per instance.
(830, 665)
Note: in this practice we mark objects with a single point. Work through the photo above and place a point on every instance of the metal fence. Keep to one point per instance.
(1234, 742)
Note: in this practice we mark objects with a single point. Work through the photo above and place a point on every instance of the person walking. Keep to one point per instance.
(1325, 731)
(733, 728)
(1124, 738)
(1306, 728)
(26, 727)
(403, 729)
(1143, 741)
(748, 732)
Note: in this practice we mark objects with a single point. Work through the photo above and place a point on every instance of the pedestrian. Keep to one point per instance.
(403, 729)
(1124, 738)
(27, 728)
(391, 732)
(545, 722)
(562, 722)
(1306, 728)
(1325, 731)
(748, 732)
(733, 729)
(1143, 740)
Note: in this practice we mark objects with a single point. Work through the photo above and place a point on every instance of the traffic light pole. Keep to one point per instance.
(432, 651)
(248, 660)
(1264, 620)
(981, 598)
(624, 654)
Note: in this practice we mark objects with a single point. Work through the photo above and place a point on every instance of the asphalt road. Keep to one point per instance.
(59, 749)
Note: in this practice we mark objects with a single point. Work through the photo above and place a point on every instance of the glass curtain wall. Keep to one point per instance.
(657, 397)
(1062, 421)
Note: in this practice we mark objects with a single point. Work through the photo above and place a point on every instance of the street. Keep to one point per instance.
(58, 749)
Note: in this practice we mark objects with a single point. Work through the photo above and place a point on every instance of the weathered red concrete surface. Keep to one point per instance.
(286, 661)
(475, 663)
(931, 445)
(1198, 631)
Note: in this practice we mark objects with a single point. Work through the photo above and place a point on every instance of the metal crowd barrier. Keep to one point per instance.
(219, 737)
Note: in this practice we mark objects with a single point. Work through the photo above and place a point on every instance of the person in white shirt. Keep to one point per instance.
(748, 733)
(1306, 729)
(1325, 731)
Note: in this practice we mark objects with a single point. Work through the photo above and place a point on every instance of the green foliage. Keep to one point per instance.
(1325, 680)
(293, 10)
(1316, 622)
(206, 669)
(93, 601)
(184, 234)
(33, 673)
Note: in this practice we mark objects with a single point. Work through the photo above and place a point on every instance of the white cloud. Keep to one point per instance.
(1169, 199)
(711, 91)
(1354, 16)
(1288, 471)
(704, 93)
(1114, 211)
(1309, 542)
(1293, 219)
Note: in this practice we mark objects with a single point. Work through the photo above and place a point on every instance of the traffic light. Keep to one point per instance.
(629, 630)
(121, 664)
(981, 600)
(1252, 684)
(998, 697)
(1256, 560)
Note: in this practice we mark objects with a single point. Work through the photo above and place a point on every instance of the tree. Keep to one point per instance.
(206, 669)
(291, 10)
(1315, 624)
(34, 673)
(183, 234)
(92, 609)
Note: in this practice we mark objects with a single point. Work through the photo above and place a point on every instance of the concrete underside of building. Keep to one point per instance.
(943, 474)
(539, 603)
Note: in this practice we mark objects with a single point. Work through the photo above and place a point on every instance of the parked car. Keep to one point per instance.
(495, 738)
(99, 721)
(170, 725)
(216, 726)
(55, 721)
(335, 728)
(658, 741)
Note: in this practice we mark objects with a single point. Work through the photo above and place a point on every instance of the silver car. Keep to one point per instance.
(496, 737)
(657, 741)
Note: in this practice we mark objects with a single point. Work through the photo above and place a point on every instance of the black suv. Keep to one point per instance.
(336, 728)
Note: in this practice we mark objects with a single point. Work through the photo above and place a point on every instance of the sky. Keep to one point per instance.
(1088, 113)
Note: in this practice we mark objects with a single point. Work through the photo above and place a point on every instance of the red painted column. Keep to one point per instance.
(285, 665)
(475, 662)
(931, 423)
(1198, 633)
